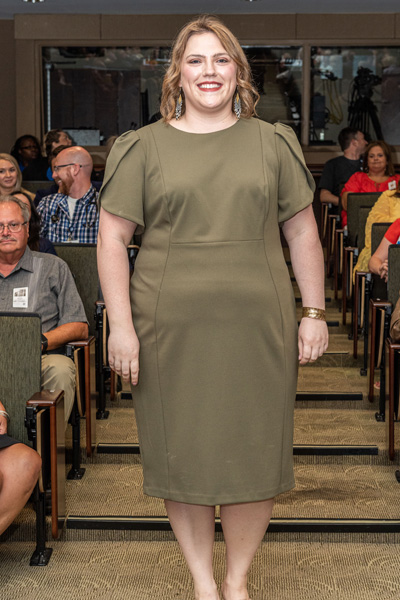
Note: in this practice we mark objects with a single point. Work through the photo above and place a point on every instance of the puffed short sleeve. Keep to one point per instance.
(295, 183)
(122, 192)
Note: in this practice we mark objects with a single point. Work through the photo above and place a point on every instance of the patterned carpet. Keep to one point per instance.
(157, 571)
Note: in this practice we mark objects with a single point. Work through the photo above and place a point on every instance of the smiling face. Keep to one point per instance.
(62, 176)
(8, 177)
(208, 76)
(377, 160)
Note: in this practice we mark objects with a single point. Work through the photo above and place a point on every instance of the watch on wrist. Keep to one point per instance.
(45, 343)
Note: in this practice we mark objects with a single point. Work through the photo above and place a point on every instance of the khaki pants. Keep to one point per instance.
(58, 373)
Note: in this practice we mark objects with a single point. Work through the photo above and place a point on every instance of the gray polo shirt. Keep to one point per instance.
(42, 283)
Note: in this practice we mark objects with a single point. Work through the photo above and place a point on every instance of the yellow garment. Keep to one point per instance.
(385, 210)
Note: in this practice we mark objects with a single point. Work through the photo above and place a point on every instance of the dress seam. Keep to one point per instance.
(155, 313)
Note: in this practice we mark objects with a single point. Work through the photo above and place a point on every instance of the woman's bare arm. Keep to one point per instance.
(114, 236)
(307, 260)
(378, 263)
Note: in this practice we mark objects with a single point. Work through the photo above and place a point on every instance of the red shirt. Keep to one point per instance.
(360, 183)
(393, 233)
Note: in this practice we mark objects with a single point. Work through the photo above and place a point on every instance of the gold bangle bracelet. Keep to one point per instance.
(313, 313)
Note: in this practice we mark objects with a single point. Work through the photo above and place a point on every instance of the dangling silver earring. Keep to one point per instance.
(178, 109)
(237, 105)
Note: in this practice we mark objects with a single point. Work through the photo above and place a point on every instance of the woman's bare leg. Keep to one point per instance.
(19, 471)
(193, 526)
(244, 526)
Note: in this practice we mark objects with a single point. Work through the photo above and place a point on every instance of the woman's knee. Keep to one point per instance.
(26, 465)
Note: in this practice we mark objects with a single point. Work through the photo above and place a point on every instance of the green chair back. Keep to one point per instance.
(82, 261)
(20, 360)
(354, 202)
(378, 230)
(393, 285)
(34, 186)
(363, 213)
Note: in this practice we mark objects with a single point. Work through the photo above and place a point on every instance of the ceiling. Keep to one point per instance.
(9, 8)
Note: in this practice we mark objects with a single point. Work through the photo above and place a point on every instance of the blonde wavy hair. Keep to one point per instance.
(12, 160)
(207, 24)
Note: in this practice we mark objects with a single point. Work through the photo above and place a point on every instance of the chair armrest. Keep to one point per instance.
(46, 398)
(379, 303)
(394, 345)
(54, 401)
(85, 395)
(82, 343)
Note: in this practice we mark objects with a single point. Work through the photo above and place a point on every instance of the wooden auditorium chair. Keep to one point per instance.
(367, 286)
(36, 418)
(380, 314)
(350, 247)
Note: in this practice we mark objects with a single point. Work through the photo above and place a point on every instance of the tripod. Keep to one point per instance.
(362, 110)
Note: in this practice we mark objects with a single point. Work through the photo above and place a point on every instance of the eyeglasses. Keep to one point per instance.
(56, 168)
(12, 227)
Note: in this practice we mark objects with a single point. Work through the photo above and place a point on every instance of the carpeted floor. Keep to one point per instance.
(157, 571)
(144, 565)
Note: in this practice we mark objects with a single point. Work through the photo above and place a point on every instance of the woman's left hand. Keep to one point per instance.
(313, 339)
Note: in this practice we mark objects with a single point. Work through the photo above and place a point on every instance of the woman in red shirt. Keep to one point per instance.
(377, 176)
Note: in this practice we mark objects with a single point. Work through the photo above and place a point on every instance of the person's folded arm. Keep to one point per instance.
(378, 262)
(326, 197)
(69, 332)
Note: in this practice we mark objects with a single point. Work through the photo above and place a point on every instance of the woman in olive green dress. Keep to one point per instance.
(211, 303)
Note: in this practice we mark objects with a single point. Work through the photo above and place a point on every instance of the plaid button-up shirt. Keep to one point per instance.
(57, 225)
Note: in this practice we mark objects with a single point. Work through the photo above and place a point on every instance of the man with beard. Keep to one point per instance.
(72, 214)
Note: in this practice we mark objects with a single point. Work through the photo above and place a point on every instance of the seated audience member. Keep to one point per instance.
(52, 140)
(54, 188)
(35, 242)
(10, 176)
(50, 292)
(385, 210)
(33, 165)
(378, 263)
(72, 214)
(378, 175)
(339, 170)
(19, 471)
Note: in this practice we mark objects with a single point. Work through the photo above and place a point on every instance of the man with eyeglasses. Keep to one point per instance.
(72, 214)
(40, 283)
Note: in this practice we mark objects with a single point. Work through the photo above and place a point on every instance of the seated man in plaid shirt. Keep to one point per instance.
(71, 215)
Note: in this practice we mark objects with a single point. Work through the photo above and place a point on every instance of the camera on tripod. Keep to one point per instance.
(364, 82)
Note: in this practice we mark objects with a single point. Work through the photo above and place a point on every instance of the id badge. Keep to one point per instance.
(392, 185)
(20, 297)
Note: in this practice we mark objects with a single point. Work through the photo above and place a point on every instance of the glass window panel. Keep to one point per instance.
(358, 87)
(98, 92)
(278, 75)
(104, 91)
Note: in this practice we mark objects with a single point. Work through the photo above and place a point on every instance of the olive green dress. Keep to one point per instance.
(212, 305)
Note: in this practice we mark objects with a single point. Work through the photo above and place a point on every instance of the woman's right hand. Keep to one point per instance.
(383, 270)
(123, 354)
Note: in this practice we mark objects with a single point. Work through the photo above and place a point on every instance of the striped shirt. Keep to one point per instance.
(57, 224)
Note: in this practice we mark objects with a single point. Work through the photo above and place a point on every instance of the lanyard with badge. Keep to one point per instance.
(20, 297)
